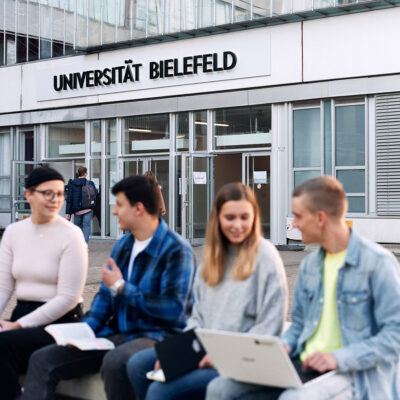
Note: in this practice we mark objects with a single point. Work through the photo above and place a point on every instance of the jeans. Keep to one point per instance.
(53, 363)
(188, 386)
(335, 387)
(17, 345)
(83, 221)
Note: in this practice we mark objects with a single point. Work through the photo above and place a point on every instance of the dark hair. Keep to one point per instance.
(323, 193)
(139, 189)
(40, 175)
(82, 171)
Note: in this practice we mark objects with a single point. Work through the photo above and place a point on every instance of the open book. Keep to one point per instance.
(78, 334)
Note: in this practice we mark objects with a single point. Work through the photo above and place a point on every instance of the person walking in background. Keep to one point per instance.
(241, 287)
(81, 200)
(163, 210)
(44, 258)
(142, 298)
(346, 308)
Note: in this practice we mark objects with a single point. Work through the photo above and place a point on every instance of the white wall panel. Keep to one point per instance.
(353, 45)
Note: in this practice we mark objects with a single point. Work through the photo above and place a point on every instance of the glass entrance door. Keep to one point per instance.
(197, 189)
(257, 174)
(159, 166)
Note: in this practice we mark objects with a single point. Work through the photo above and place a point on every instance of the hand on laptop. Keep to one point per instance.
(287, 348)
(206, 362)
(320, 361)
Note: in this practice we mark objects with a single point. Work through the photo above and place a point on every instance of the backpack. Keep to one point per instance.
(88, 196)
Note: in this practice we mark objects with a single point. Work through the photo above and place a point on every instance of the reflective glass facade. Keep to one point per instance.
(40, 29)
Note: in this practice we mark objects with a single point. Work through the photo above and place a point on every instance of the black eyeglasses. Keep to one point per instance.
(49, 194)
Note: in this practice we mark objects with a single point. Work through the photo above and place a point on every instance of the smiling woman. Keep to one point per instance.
(241, 287)
(44, 258)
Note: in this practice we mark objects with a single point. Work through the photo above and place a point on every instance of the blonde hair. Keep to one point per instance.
(323, 193)
(216, 246)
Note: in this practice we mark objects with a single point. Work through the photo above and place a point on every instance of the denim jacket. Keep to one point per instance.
(368, 304)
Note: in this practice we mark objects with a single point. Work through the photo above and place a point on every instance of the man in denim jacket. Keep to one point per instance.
(346, 308)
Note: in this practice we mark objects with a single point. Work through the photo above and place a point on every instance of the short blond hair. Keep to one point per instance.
(324, 193)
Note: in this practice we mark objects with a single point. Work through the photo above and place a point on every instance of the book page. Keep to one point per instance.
(74, 330)
(92, 344)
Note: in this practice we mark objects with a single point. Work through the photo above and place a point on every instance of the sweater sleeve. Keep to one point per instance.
(72, 272)
(7, 281)
(272, 292)
(196, 318)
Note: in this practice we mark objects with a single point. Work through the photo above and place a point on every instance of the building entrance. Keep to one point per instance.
(204, 175)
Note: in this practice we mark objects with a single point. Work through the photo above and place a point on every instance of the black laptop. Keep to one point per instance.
(178, 355)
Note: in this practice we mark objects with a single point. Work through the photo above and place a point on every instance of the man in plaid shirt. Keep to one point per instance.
(142, 298)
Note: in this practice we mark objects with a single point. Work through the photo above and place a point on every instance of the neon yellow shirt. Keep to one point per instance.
(327, 335)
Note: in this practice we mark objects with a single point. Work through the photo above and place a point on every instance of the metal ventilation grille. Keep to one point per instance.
(388, 154)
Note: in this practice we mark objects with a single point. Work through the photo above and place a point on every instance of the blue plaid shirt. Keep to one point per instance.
(152, 302)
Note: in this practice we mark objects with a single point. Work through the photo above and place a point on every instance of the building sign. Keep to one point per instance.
(131, 72)
(217, 58)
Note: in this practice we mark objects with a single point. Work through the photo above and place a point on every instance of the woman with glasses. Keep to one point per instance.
(44, 259)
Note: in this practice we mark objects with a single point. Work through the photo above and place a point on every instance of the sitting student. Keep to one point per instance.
(44, 258)
(346, 308)
(241, 288)
(141, 299)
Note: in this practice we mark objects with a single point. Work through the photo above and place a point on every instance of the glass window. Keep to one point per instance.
(95, 176)
(66, 139)
(111, 180)
(111, 137)
(327, 138)
(124, 20)
(69, 26)
(95, 143)
(45, 29)
(172, 16)
(261, 8)
(205, 12)
(58, 29)
(25, 145)
(242, 10)
(109, 20)
(280, 7)
(302, 5)
(182, 131)
(5, 168)
(356, 204)
(188, 15)
(306, 138)
(10, 45)
(243, 127)
(94, 22)
(302, 176)
(350, 136)
(139, 13)
(33, 40)
(146, 133)
(22, 31)
(1, 47)
(81, 23)
(353, 180)
(155, 17)
(200, 130)
(223, 12)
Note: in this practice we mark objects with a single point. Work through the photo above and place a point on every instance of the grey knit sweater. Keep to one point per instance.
(257, 304)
